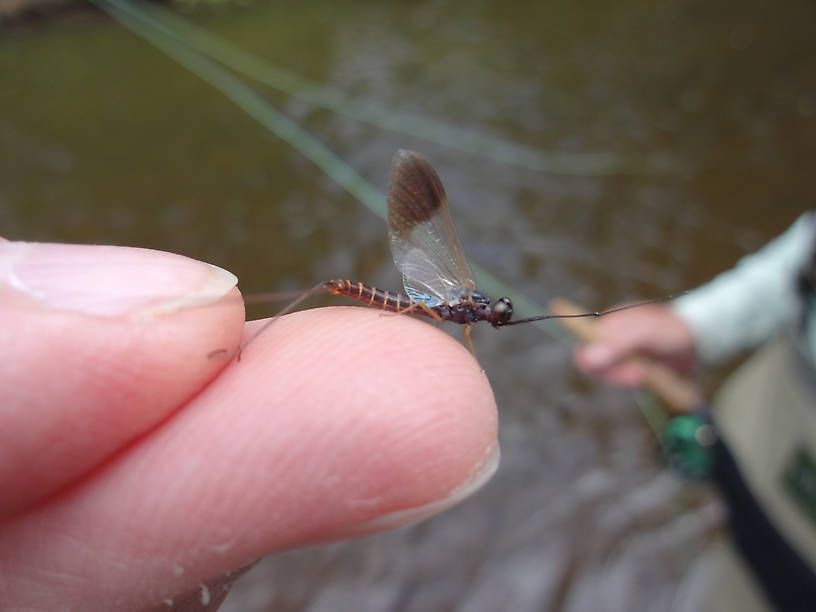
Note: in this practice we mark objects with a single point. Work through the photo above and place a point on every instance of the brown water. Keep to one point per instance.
(103, 139)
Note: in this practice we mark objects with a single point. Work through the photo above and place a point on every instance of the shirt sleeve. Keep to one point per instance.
(750, 302)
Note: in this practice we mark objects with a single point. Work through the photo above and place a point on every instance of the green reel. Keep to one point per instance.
(688, 442)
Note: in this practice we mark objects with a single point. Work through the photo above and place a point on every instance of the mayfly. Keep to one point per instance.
(438, 280)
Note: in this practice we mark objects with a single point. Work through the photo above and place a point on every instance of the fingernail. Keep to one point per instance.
(402, 518)
(596, 355)
(108, 280)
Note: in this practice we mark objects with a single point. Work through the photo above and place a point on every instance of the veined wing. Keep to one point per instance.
(423, 240)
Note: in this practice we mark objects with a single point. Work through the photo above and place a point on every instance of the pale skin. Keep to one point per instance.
(139, 474)
(653, 331)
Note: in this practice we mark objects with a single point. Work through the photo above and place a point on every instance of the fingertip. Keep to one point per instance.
(393, 414)
(600, 360)
(593, 357)
(94, 340)
(385, 349)
(628, 376)
(392, 367)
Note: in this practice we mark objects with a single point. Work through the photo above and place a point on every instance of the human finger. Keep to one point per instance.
(100, 345)
(336, 423)
(654, 331)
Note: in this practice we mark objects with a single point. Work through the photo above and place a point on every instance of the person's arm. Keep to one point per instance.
(750, 302)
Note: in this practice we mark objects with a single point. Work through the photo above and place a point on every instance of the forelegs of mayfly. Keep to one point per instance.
(423, 307)
(469, 342)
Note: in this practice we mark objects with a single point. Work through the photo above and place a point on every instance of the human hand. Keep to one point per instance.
(653, 331)
(137, 472)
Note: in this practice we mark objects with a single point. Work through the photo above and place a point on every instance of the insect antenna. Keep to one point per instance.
(597, 313)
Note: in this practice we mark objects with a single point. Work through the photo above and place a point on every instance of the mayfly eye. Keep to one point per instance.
(503, 309)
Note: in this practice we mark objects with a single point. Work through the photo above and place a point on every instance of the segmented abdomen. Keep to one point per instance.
(381, 298)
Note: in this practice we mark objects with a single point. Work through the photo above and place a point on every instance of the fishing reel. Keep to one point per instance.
(688, 444)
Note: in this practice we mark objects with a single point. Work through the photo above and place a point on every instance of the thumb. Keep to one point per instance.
(603, 354)
(100, 344)
(597, 355)
(617, 339)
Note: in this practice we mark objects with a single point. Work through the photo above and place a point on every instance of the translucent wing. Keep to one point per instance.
(423, 241)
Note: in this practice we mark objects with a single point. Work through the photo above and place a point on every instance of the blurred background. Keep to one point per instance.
(605, 152)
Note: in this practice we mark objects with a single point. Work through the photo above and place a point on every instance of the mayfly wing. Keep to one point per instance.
(423, 240)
